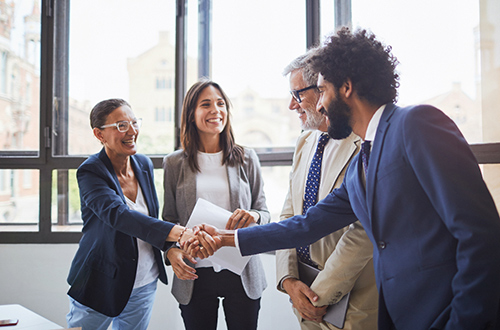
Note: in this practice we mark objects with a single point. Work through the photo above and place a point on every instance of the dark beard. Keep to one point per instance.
(339, 115)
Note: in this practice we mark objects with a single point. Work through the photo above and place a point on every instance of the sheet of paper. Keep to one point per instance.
(227, 257)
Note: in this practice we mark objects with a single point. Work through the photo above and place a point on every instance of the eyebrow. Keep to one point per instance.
(218, 99)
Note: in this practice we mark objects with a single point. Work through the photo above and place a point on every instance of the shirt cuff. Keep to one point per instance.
(236, 242)
(283, 280)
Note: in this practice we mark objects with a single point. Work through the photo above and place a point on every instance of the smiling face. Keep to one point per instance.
(310, 119)
(118, 144)
(210, 116)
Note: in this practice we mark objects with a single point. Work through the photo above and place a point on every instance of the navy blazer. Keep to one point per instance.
(103, 270)
(431, 219)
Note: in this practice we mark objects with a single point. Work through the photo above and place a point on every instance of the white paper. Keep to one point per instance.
(227, 257)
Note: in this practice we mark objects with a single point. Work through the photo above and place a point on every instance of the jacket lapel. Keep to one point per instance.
(111, 172)
(189, 177)
(307, 150)
(143, 178)
(233, 177)
(375, 154)
(345, 151)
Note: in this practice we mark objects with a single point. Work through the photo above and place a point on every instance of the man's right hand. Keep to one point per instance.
(302, 297)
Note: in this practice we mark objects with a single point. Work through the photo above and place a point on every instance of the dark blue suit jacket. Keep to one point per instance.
(103, 271)
(431, 219)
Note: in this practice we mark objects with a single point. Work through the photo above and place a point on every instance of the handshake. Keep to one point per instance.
(204, 240)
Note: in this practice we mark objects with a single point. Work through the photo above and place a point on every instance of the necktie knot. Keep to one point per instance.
(323, 139)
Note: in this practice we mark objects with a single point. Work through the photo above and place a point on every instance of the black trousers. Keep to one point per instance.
(201, 313)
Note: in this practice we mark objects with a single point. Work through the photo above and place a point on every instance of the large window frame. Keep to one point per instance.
(54, 100)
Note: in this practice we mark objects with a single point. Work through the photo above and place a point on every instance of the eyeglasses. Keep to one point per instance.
(296, 93)
(123, 126)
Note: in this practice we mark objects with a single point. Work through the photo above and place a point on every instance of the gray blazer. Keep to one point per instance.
(246, 191)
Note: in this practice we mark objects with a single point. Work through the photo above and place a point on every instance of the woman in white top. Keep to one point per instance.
(213, 167)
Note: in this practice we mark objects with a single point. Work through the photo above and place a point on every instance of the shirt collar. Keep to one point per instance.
(371, 130)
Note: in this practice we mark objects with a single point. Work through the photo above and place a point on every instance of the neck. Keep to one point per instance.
(324, 126)
(210, 145)
(362, 113)
(120, 164)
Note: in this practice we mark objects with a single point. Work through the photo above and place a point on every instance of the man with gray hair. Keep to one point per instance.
(343, 258)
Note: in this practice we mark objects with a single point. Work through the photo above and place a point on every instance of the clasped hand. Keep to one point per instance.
(203, 241)
(199, 243)
(207, 239)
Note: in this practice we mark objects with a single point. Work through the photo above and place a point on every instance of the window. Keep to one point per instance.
(453, 65)
(19, 77)
(55, 66)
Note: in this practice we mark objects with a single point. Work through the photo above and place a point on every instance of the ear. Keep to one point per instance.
(346, 89)
(98, 134)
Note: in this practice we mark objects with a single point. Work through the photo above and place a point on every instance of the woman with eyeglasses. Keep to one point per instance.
(114, 273)
(213, 167)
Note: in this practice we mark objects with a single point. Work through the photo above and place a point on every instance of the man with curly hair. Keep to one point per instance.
(416, 188)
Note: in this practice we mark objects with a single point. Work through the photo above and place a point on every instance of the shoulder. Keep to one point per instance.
(249, 156)
(423, 118)
(413, 112)
(94, 161)
(304, 137)
(174, 159)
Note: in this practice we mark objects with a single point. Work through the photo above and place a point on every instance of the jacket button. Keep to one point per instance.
(381, 245)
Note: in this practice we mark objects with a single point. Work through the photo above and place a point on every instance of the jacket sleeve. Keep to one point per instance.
(343, 267)
(99, 193)
(330, 214)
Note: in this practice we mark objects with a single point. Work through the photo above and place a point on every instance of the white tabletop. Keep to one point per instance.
(28, 320)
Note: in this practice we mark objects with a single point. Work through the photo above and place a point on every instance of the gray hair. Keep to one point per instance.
(300, 63)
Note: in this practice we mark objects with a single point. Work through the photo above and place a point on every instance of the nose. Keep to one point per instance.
(215, 108)
(319, 104)
(293, 105)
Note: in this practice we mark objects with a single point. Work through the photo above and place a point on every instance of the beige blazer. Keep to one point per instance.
(345, 256)
(246, 192)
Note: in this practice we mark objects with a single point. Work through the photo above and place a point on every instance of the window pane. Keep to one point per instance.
(442, 46)
(66, 213)
(275, 187)
(327, 19)
(19, 200)
(491, 174)
(250, 49)
(19, 76)
(126, 52)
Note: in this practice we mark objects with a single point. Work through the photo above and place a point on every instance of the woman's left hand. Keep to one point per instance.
(241, 219)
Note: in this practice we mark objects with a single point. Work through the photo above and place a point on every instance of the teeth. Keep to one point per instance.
(214, 120)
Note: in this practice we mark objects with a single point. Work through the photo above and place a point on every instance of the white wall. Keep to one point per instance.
(34, 275)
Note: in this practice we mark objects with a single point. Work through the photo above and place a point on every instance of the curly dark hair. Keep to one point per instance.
(364, 60)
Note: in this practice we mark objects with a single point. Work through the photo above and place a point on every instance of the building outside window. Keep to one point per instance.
(44, 136)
